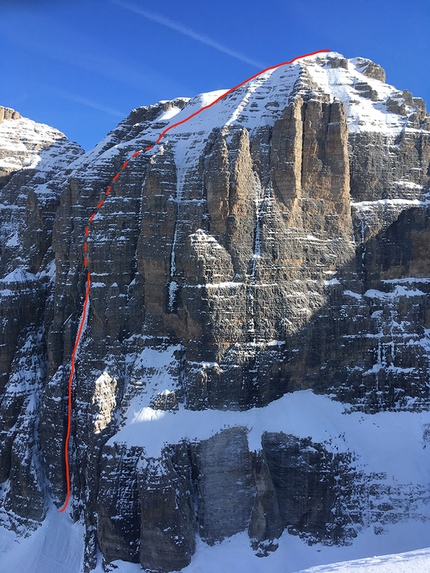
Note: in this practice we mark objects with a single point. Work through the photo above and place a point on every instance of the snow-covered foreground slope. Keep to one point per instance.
(292, 558)
(410, 562)
(58, 547)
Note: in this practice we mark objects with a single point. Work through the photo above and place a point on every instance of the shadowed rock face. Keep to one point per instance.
(281, 250)
(31, 181)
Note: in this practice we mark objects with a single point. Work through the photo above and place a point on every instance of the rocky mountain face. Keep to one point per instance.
(276, 242)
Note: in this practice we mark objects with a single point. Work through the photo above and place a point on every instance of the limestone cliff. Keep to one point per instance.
(276, 242)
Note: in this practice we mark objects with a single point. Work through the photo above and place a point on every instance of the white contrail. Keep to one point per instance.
(178, 27)
(94, 105)
(91, 56)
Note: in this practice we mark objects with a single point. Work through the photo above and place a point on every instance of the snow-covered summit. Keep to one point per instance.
(26, 144)
(372, 105)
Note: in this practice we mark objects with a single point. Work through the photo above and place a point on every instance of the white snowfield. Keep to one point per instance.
(232, 555)
(411, 562)
(378, 440)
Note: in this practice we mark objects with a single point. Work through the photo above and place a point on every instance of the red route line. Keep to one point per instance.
(163, 133)
(69, 405)
(85, 249)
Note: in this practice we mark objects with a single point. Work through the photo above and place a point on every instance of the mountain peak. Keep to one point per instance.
(369, 68)
(359, 83)
(243, 278)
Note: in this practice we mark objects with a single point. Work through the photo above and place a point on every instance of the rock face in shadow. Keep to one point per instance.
(224, 466)
(277, 243)
(32, 175)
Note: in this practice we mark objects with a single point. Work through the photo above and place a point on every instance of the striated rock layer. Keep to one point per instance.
(276, 242)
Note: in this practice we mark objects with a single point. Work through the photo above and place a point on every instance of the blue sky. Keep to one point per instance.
(83, 65)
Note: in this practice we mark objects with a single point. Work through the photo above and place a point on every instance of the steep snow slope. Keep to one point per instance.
(56, 547)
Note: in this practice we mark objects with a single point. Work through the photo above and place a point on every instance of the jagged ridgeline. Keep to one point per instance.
(257, 352)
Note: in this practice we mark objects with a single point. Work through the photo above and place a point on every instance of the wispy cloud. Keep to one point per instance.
(86, 54)
(54, 90)
(178, 27)
(93, 104)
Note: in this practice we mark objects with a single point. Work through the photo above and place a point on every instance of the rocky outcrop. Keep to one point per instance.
(223, 464)
(8, 113)
(275, 244)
